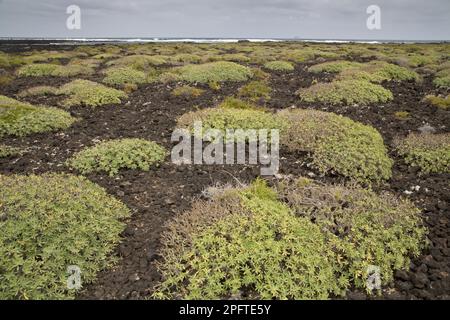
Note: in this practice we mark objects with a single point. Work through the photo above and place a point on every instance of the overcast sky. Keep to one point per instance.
(319, 19)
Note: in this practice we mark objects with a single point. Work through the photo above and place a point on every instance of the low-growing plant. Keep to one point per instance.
(54, 70)
(378, 71)
(122, 76)
(5, 79)
(38, 91)
(19, 118)
(234, 103)
(187, 91)
(8, 151)
(111, 156)
(139, 62)
(429, 152)
(221, 71)
(89, 93)
(346, 92)
(334, 66)
(279, 66)
(442, 78)
(337, 144)
(49, 223)
(255, 91)
(440, 102)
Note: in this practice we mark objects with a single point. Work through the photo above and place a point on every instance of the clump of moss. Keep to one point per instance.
(139, 62)
(346, 92)
(88, 93)
(442, 78)
(54, 70)
(19, 118)
(221, 71)
(234, 103)
(38, 91)
(186, 58)
(378, 71)
(111, 156)
(49, 223)
(402, 115)
(429, 152)
(443, 103)
(337, 144)
(187, 91)
(268, 243)
(334, 66)
(255, 91)
(279, 66)
(8, 151)
(122, 76)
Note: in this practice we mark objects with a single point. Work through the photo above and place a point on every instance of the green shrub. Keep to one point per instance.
(230, 118)
(88, 93)
(187, 91)
(38, 91)
(443, 103)
(255, 244)
(111, 156)
(214, 72)
(10, 61)
(346, 92)
(279, 66)
(442, 78)
(255, 91)
(54, 70)
(19, 118)
(337, 144)
(334, 66)
(378, 71)
(186, 58)
(363, 228)
(233, 103)
(138, 62)
(429, 152)
(48, 223)
(122, 76)
(7, 151)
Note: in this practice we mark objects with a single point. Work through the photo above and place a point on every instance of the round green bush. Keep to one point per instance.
(111, 156)
(124, 75)
(19, 118)
(48, 223)
(347, 92)
(279, 66)
(337, 144)
(220, 71)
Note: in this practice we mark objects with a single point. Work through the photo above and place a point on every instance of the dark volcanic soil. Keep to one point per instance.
(157, 195)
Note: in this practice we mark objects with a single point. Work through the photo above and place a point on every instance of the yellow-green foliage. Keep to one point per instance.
(214, 72)
(346, 92)
(337, 144)
(5, 79)
(187, 91)
(111, 156)
(442, 78)
(49, 223)
(88, 93)
(378, 71)
(402, 115)
(255, 91)
(19, 118)
(256, 243)
(230, 118)
(233, 103)
(443, 103)
(279, 66)
(8, 151)
(302, 240)
(429, 152)
(38, 91)
(124, 75)
(363, 228)
(138, 62)
(334, 66)
(10, 61)
(186, 58)
(54, 70)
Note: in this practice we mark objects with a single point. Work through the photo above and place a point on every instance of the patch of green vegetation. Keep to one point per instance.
(334, 66)
(230, 118)
(38, 91)
(187, 91)
(221, 71)
(91, 94)
(124, 75)
(363, 228)
(255, 91)
(443, 103)
(10, 61)
(186, 58)
(111, 156)
(139, 62)
(234, 57)
(8, 151)
(268, 243)
(234, 103)
(258, 244)
(49, 223)
(5, 79)
(378, 71)
(337, 144)
(19, 118)
(54, 70)
(346, 92)
(429, 152)
(402, 115)
(279, 66)
(442, 78)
